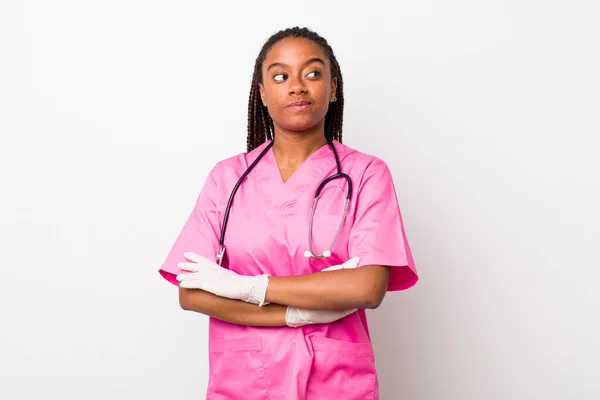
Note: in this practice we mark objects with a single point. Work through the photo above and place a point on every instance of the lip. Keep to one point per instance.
(299, 105)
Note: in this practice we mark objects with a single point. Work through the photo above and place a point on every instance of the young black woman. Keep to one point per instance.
(287, 307)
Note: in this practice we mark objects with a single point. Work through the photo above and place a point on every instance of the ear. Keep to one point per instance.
(332, 96)
(263, 95)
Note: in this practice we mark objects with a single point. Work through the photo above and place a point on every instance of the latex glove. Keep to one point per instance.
(211, 277)
(296, 317)
(351, 263)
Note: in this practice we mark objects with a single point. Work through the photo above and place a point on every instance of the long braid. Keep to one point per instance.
(260, 123)
(251, 127)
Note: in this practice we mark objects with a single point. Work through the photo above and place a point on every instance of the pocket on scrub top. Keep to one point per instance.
(237, 369)
(342, 370)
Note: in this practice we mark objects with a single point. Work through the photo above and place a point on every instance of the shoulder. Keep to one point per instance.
(360, 164)
(236, 164)
(372, 179)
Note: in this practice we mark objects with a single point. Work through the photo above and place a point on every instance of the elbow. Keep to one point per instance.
(374, 305)
(371, 296)
(373, 287)
(373, 300)
(184, 299)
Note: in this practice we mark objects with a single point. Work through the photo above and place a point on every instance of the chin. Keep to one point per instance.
(299, 126)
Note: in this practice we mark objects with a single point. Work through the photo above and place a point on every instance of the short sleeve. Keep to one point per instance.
(199, 235)
(377, 234)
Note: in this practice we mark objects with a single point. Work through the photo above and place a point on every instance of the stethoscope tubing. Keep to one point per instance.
(308, 253)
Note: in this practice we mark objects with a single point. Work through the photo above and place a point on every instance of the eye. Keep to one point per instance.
(314, 74)
(279, 77)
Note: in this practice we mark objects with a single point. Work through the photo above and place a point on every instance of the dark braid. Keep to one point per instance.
(260, 124)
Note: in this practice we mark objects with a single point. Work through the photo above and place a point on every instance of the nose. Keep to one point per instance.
(297, 86)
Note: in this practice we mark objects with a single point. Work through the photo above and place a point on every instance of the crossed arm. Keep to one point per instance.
(362, 287)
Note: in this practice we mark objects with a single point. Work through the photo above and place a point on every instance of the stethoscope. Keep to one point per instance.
(308, 253)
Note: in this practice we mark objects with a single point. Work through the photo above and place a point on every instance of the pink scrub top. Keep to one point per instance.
(267, 232)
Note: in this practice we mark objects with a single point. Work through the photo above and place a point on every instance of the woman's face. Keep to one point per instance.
(296, 84)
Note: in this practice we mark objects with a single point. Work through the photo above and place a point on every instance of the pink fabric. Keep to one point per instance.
(267, 232)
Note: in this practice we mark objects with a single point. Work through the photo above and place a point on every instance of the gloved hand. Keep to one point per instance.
(211, 277)
(351, 263)
(296, 317)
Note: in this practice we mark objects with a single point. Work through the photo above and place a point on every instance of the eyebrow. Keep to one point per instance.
(309, 61)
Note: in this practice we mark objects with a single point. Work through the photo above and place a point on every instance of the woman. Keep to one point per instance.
(280, 326)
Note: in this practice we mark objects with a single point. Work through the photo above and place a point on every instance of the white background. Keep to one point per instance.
(487, 112)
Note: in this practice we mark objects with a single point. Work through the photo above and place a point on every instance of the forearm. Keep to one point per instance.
(332, 290)
(234, 311)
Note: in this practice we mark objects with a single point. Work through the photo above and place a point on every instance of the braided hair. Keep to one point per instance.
(260, 123)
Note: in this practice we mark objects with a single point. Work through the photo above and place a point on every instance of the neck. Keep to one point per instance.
(294, 147)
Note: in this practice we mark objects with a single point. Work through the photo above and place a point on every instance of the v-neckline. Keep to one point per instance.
(284, 195)
(298, 170)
